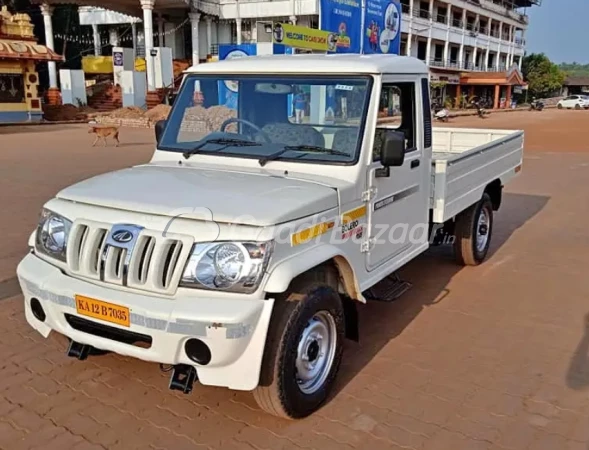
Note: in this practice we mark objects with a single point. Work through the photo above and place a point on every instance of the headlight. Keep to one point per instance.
(227, 266)
(52, 234)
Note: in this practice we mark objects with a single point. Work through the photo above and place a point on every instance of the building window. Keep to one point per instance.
(453, 56)
(442, 16)
(12, 88)
(421, 50)
(439, 53)
(424, 10)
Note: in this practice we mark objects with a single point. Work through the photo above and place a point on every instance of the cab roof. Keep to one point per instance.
(320, 64)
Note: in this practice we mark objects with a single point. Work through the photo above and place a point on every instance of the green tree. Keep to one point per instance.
(543, 76)
(575, 69)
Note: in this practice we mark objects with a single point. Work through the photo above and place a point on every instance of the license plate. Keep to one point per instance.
(98, 309)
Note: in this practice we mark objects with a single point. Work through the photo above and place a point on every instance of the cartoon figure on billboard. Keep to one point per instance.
(343, 40)
(342, 30)
(373, 32)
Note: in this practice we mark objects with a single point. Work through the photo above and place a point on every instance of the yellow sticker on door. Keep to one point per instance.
(353, 214)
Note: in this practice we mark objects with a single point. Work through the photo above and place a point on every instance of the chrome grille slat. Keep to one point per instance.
(173, 254)
(149, 262)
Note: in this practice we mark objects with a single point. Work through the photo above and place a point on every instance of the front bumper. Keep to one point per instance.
(233, 328)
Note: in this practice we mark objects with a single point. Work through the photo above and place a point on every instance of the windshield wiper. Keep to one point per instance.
(303, 147)
(317, 149)
(225, 142)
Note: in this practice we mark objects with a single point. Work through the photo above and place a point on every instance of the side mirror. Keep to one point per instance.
(392, 152)
(159, 130)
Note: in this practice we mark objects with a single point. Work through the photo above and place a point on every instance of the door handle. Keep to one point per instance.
(415, 163)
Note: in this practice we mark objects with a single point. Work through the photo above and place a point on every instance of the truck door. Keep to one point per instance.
(399, 202)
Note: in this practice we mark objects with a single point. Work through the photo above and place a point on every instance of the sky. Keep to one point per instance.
(559, 29)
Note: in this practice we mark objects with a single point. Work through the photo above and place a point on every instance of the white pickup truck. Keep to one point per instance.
(284, 192)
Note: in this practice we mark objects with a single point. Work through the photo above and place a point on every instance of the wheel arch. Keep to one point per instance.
(495, 191)
(281, 277)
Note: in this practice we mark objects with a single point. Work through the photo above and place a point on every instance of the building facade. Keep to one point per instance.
(454, 37)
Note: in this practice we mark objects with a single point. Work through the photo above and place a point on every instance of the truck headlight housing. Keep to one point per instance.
(227, 266)
(52, 234)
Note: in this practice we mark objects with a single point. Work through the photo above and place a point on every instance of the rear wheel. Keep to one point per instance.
(473, 232)
(577, 106)
(303, 350)
(559, 106)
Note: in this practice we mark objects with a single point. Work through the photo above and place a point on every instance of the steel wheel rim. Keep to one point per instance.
(316, 352)
(482, 231)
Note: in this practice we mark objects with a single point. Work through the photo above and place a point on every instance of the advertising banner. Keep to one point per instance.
(303, 37)
(228, 89)
(382, 27)
(343, 17)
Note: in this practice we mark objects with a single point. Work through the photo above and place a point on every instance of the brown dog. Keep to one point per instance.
(102, 132)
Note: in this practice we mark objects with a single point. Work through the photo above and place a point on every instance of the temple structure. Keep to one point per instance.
(19, 80)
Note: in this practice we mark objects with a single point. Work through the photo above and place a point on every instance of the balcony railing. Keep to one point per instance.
(472, 27)
(467, 66)
(421, 13)
(440, 18)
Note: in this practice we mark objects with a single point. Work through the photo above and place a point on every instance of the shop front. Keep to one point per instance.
(494, 88)
(444, 87)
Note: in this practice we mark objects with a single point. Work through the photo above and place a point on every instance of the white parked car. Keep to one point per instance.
(574, 102)
(238, 255)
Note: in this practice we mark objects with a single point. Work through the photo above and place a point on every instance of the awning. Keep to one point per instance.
(512, 77)
(25, 50)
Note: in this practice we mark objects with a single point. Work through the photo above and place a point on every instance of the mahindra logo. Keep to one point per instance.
(122, 236)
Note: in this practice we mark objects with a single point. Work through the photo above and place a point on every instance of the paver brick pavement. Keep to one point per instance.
(494, 357)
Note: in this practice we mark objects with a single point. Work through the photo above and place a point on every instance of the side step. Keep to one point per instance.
(183, 378)
(388, 290)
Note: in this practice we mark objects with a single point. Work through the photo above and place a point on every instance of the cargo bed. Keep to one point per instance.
(465, 161)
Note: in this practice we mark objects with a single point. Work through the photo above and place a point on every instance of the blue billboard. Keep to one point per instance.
(343, 17)
(382, 27)
(371, 28)
(228, 89)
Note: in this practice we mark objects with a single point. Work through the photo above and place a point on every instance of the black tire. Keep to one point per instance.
(278, 392)
(577, 107)
(559, 106)
(466, 249)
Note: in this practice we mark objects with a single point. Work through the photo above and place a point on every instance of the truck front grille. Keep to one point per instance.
(150, 261)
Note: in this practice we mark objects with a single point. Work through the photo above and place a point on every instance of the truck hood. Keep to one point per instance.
(231, 197)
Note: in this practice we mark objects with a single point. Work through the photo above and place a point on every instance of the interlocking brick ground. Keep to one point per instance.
(492, 357)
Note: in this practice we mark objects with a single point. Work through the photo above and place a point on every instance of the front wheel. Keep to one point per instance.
(473, 232)
(559, 106)
(303, 352)
(577, 107)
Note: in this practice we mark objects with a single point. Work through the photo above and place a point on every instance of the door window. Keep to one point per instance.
(396, 112)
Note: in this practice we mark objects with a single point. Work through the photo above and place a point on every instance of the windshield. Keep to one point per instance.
(305, 118)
